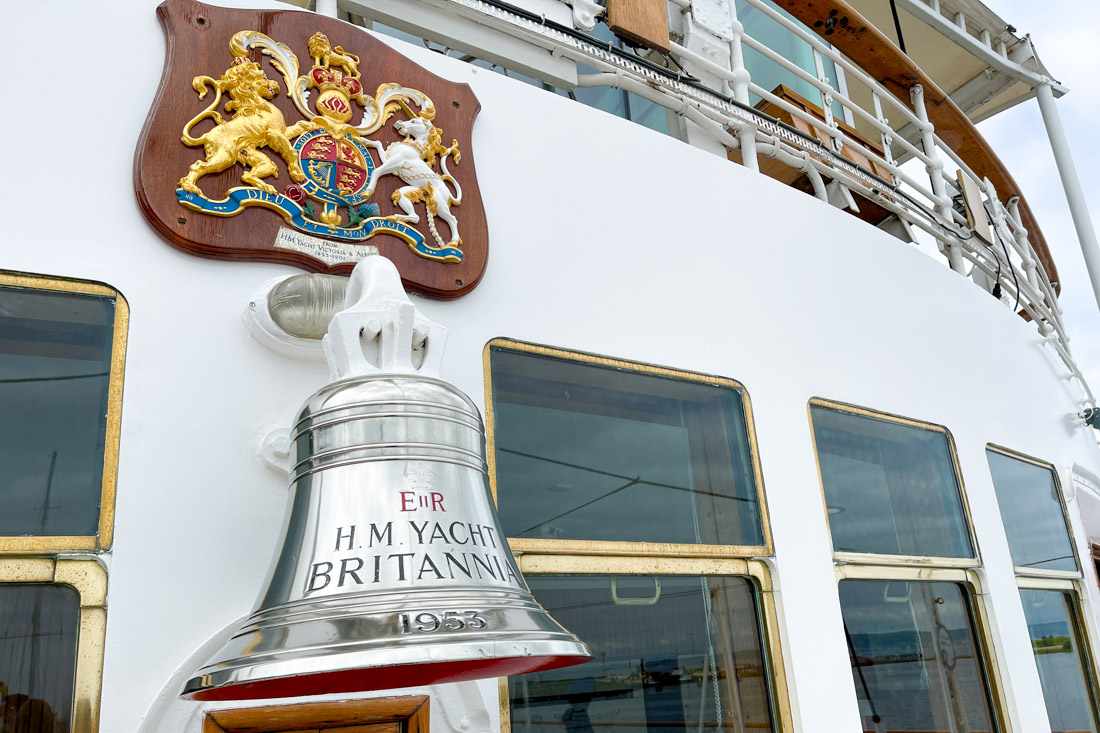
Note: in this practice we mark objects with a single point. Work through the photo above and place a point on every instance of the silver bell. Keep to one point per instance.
(393, 571)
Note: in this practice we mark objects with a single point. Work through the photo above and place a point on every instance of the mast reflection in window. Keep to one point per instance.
(55, 369)
(915, 661)
(39, 625)
(669, 653)
(586, 452)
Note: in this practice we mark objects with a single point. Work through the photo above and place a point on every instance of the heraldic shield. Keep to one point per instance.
(287, 136)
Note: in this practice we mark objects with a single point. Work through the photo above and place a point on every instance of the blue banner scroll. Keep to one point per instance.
(241, 198)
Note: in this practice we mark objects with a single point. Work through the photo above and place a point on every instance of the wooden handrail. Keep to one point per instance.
(841, 25)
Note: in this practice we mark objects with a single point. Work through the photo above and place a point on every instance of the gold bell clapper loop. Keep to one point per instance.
(392, 571)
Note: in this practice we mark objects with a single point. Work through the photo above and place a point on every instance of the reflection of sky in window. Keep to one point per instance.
(860, 517)
(914, 658)
(1032, 514)
(547, 499)
(889, 488)
(54, 376)
(676, 663)
(1058, 657)
(595, 453)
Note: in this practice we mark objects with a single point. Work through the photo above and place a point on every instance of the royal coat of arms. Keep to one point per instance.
(309, 159)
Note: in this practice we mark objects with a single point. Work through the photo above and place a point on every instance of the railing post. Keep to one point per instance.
(740, 88)
(826, 99)
(1002, 230)
(327, 7)
(935, 171)
(887, 138)
(1025, 246)
(1078, 207)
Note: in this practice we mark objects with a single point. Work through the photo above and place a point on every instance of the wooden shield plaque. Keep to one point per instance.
(287, 136)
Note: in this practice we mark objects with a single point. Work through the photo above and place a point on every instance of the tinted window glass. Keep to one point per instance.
(55, 363)
(1056, 642)
(617, 101)
(670, 653)
(915, 661)
(769, 74)
(1032, 513)
(889, 488)
(594, 453)
(39, 625)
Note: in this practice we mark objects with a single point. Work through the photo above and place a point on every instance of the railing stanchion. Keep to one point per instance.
(1027, 254)
(935, 171)
(826, 99)
(886, 137)
(739, 83)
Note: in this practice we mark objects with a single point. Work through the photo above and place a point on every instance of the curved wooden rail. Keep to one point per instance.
(877, 55)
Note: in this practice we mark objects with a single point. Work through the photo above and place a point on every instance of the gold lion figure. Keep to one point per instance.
(256, 123)
(325, 55)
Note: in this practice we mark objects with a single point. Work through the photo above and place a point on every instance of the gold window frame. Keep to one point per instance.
(103, 538)
(88, 577)
(756, 571)
(871, 558)
(964, 571)
(618, 547)
(1041, 572)
(1069, 581)
(600, 557)
(983, 630)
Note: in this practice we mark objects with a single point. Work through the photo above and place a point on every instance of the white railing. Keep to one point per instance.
(1008, 266)
(721, 109)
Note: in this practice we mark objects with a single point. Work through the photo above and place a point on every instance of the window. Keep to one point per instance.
(668, 595)
(769, 74)
(909, 596)
(1031, 508)
(62, 346)
(618, 102)
(891, 487)
(52, 625)
(1049, 577)
(894, 629)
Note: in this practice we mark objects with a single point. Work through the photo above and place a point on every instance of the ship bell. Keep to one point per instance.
(393, 571)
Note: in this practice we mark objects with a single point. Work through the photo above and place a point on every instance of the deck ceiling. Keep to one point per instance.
(979, 90)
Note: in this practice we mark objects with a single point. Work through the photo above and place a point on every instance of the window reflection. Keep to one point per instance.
(39, 625)
(579, 447)
(1031, 509)
(768, 74)
(618, 102)
(915, 660)
(55, 363)
(890, 488)
(1057, 646)
(670, 653)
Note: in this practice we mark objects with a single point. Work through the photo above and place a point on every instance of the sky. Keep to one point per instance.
(1019, 138)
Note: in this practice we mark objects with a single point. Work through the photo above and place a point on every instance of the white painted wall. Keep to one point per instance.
(606, 238)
